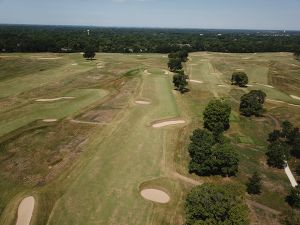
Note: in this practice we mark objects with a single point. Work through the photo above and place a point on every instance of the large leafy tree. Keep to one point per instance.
(294, 197)
(277, 154)
(212, 204)
(89, 53)
(252, 103)
(174, 64)
(254, 185)
(180, 81)
(239, 78)
(216, 116)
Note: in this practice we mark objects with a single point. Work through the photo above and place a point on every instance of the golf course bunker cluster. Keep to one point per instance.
(155, 195)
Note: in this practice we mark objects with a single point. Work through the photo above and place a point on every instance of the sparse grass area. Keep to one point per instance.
(90, 170)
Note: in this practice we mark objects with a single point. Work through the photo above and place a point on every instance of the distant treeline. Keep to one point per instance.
(26, 38)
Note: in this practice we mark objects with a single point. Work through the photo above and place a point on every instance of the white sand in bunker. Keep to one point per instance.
(166, 72)
(25, 211)
(155, 195)
(53, 99)
(265, 85)
(143, 102)
(295, 97)
(146, 72)
(168, 123)
(49, 120)
(196, 81)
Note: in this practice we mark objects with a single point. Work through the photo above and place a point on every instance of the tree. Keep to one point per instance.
(212, 204)
(174, 64)
(89, 53)
(216, 116)
(298, 170)
(200, 149)
(223, 161)
(277, 154)
(182, 55)
(294, 197)
(180, 81)
(239, 78)
(254, 185)
(252, 103)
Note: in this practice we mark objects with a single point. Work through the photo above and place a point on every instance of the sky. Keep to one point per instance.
(218, 14)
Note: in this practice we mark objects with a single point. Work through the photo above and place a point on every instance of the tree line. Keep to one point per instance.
(28, 38)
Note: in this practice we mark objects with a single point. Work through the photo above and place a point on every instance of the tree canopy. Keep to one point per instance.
(254, 185)
(208, 157)
(294, 197)
(216, 116)
(277, 154)
(212, 204)
(239, 78)
(252, 103)
(89, 53)
(180, 81)
(174, 64)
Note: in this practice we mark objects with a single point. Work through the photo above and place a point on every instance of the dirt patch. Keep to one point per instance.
(143, 102)
(196, 81)
(295, 97)
(53, 99)
(50, 120)
(25, 211)
(155, 195)
(168, 123)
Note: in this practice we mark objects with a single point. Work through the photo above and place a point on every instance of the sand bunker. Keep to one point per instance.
(74, 64)
(146, 72)
(53, 99)
(166, 72)
(265, 85)
(222, 85)
(155, 195)
(196, 81)
(295, 97)
(50, 120)
(25, 211)
(240, 69)
(168, 123)
(143, 102)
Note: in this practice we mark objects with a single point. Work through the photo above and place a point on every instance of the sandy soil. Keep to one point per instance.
(25, 211)
(50, 120)
(53, 99)
(155, 195)
(295, 97)
(168, 123)
(196, 81)
(143, 102)
(146, 72)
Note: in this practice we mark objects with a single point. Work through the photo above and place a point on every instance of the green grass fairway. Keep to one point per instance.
(89, 166)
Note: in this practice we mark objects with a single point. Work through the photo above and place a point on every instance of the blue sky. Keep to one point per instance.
(247, 14)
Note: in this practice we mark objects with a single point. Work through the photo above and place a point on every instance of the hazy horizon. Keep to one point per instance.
(189, 14)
